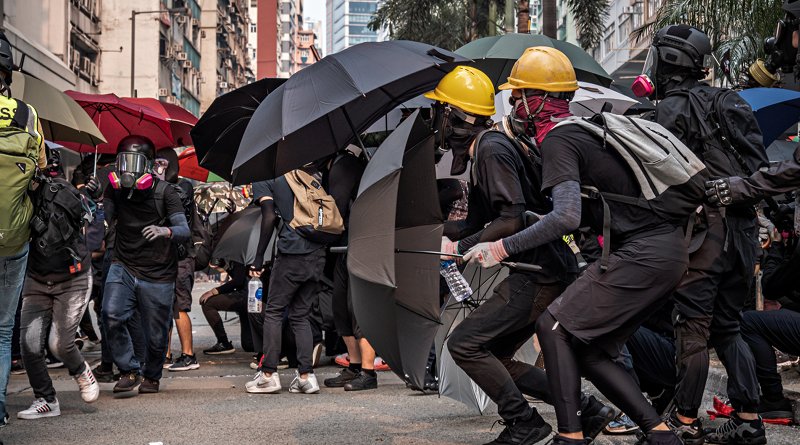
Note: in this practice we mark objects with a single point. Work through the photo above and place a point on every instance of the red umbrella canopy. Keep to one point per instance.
(117, 118)
(189, 168)
(180, 119)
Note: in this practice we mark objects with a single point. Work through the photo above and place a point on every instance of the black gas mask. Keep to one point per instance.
(455, 130)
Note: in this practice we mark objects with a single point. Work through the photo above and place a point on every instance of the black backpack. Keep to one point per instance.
(60, 212)
(198, 246)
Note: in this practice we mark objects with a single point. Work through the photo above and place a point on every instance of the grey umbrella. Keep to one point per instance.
(395, 292)
(323, 108)
(240, 240)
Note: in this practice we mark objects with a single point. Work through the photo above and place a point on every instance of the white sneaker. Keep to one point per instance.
(90, 390)
(40, 408)
(262, 384)
(307, 386)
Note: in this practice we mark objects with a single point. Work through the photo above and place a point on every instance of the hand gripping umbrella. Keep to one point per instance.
(325, 107)
(217, 135)
(396, 292)
(496, 55)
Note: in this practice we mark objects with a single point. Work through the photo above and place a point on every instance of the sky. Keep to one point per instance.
(315, 9)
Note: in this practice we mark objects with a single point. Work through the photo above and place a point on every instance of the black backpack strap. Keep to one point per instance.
(161, 204)
(592, 193)
(20, 119)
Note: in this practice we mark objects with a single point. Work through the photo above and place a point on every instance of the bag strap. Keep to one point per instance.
(21, 116)
(161, 205)
(589, 192)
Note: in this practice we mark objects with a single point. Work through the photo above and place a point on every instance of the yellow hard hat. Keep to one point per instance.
(542, 68)
(467, 88)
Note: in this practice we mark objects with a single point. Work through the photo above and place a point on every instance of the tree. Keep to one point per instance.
(590, 18)
(736, 27)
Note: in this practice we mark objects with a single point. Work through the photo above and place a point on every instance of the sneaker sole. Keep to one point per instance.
(777, 415)
(366, 388)
(339, 384)
(263, 390)
(185, 368)
(93, 398)
(231, 351)
(538, 435)
(297, 391)
(37, 415)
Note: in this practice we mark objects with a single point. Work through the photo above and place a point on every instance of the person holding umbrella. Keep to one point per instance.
(585, 328)
(505, 184)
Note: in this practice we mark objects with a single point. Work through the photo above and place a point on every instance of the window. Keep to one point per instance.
(608, 42)
(253, 28)
(360, 30)
(363, 7)
(625, 27)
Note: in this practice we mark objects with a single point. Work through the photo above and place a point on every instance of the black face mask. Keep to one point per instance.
(454, 132)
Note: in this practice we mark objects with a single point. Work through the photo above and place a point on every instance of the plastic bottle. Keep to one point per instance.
(254, 292)
(458, 285)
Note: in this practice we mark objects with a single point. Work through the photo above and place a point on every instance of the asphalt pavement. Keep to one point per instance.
(210, 406)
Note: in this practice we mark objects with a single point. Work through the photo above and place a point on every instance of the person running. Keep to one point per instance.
(144, 267)
(54, 299)
(15, 205)
(709, 302)
(505, 184)
(584, 329)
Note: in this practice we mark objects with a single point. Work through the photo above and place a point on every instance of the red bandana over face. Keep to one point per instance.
(551, 107)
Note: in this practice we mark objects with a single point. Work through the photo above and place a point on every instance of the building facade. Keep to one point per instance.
(307, 52)
(268, 42)
(252, 38)
(67, 52)
(347, 23)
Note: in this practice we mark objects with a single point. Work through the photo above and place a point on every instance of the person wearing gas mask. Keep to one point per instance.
(583, 331)
(720, 128)
(144, 264)
(505, 179)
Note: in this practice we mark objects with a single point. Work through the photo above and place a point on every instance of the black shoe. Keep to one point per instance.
(184, 363)
(737, 431)
(690, 434)
(523, 432)
(658, 438)
(17, 367)
(148, 386)
(779, 409)
(220, 348)
(346, 376)
(127, 382)
(361, 382)
(595, 416)
(560, 440)
(104, 373)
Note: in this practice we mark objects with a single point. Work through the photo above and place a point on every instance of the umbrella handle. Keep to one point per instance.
(522, 266)
(342, 249)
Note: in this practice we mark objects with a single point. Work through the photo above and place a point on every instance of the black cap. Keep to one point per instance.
(137, 144)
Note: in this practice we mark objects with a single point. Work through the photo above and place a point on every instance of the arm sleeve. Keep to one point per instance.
(510, 221)
(179, 227)
(778, 178)
(268, 221)
(565, 218)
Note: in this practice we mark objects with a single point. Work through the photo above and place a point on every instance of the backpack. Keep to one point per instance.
(671, 177)
(19, 153)
(316, 216)
(59, 217)
(198, 246)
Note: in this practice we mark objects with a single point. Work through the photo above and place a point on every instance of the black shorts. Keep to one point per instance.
(606, 308)
(183, 287)
(343, 317)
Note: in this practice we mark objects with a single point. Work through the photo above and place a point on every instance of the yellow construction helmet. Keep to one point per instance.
(467, 88)
(542, 68)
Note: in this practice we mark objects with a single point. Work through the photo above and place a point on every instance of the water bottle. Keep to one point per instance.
(254, 292)
(458, 285)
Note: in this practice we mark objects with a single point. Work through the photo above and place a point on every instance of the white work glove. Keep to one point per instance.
(448, 247)
(487, 254)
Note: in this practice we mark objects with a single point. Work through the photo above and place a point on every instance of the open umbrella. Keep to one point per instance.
(776, 109)
(588, 101)
(62, 119)
(189, 168)
(181, 121)
(395, 292)
(217, 197)
(117, 118)
(496, 55)
(239, 242)
(324, 107)
(219, 131)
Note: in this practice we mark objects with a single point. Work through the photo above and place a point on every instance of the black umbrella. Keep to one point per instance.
(396, 292)
(239, 241)
(324, 107)
(219, 131)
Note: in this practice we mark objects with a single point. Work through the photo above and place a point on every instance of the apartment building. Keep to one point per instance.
(620, 54)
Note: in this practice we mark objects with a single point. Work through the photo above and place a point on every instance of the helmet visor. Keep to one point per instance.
(135, 163)
(650, 61)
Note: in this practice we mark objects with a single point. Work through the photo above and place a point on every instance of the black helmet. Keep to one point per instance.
(683, 45)
(6, 58)
(792, 7)
(137, 144)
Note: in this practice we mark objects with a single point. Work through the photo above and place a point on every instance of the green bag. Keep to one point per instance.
(19, 153)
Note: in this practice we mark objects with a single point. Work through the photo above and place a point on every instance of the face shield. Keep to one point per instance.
(643, 85)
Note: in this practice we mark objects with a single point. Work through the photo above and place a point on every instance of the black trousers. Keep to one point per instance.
(230, 302)
(764, 330)
(654, 363)
(708, 307)
(343, 317)
(484, 344)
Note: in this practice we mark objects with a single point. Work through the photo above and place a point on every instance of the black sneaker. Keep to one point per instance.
(595, 416)
(560, 440)
(340, 380)
(104, 373)
(148, 386)
(127, 382)
(523, 432)
(220, 348)
(658, 438)
(362, 382)
(690, 434)
(738, 432)
(184, 363)
(779, 409)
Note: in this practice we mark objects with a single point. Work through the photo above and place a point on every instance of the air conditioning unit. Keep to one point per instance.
(219, 77)
(232, 9)
(202, 33)
(163, 92)
(181, 19)
(171, 99)
(177, 47)
(223, 85)
(187, 64)
(180, 56)
(195, 22)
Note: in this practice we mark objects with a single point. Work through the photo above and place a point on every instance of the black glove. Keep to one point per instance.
(152, 233)
(93, 187)
(718, 192)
